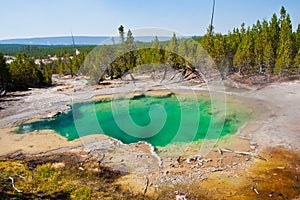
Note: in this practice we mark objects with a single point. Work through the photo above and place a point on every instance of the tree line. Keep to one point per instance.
(113, 61)
(24, 72)
(268, 47)
(42, 51)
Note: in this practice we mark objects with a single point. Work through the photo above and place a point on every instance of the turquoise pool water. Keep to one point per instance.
(157, 120)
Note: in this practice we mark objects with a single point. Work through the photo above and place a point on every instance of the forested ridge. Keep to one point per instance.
(42, 51)
(268, 47)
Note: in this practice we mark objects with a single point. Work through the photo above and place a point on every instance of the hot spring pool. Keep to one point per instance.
(157, 120)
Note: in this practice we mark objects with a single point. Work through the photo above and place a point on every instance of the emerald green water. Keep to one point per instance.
(157, 120)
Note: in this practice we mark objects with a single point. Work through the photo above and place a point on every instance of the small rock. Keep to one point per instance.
(199, 158)
(80, 168)
(180, 197)
(189, 160)
(58, 165)
(252, 147)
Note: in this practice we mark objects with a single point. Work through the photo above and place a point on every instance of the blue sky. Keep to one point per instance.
(38, 18)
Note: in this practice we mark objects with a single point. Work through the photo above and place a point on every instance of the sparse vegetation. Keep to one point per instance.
(60, 177)
(53, 179)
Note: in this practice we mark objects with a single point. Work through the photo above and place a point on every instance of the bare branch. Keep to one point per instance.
(255, 190)
(13, 184)
(242, 153)
(146, 186)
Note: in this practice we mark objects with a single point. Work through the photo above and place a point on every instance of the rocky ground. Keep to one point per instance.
(259, 144)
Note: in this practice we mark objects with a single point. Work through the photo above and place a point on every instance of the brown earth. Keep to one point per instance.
(261, 161)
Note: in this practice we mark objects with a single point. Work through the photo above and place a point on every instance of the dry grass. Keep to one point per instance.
(49, 180)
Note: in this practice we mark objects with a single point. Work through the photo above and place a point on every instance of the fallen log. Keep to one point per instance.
(242, 153)
(255, 190)
(250, 154)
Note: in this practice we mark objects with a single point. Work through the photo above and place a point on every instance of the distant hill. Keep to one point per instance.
(65, 40)
(79, 40)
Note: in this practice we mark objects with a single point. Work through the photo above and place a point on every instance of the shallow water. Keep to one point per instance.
(157, 120)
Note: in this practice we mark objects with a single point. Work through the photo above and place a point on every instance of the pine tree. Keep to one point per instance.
(282, 15)
(171, 51)
(121, 33)
(297, 39)
(130, 44)
(269, 58)
(183, 51)
(25, 73)
(173, 44)
(68, 65)
(155, 43)
(220, 49)
(120, 62)
(157, 53)
(183, 48)
(297, 62)
(4, 71)
(192, 49)
(233, 41)
(208, 42)
(256, 28)
(59, 66)
(285, 47)
(130, 54)
(244, 58)
(243, 30)
(274, 35)
(261, 40)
